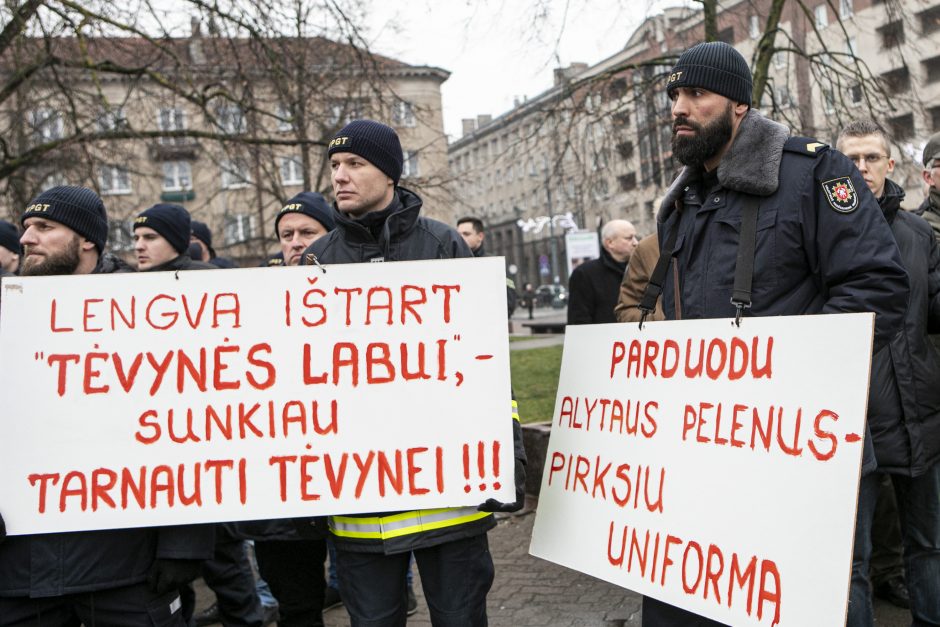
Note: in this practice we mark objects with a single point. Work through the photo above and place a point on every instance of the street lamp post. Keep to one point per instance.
(551, 231)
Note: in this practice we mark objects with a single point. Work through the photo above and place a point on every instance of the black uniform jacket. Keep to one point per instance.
(904, 398)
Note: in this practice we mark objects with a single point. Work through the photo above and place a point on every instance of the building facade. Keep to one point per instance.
(597, 145)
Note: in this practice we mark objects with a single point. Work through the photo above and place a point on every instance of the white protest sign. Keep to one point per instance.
(712, 467)
(153, 399)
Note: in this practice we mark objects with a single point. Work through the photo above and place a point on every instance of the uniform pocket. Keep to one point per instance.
(724, 249)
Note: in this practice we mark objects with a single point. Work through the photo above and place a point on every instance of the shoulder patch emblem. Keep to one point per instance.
(841, 194)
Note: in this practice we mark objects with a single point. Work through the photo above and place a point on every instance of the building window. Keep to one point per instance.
(53, 180)
(897, 81)
(892, 34)
(727, 35)
(177, 176)
(171, 119)
(846, 9)
(934, 117)
(239, 228)
(285, 119)
(932, 67)
(292, 171)
(850, 46)
(46, 125)
(235, 174)
(110, 120)
(783, 97)
(856, 96)
(821, 14)
(344, 111)
(230, 119)
(403, 114)
(930, 20)
(902, 127)
(627, 181)
(754, 27)
(120, 236)
(780, 58)
(114, 179)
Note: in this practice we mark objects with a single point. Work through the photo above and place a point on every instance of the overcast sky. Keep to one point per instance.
(497, 50)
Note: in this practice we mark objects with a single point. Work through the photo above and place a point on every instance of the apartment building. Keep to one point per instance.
(597, 145)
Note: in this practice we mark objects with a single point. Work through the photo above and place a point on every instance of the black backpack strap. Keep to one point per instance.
(744, 266)
(655, 286)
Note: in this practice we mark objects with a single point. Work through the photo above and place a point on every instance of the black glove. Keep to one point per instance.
(3, 529)
(314, 528)
(492, 505)
(170, 574)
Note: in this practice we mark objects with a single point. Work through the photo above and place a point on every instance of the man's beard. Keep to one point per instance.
(63, 262)
(695, 150)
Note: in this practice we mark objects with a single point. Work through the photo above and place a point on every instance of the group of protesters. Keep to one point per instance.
(826, 234)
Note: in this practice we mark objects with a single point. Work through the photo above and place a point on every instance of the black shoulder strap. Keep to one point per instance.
(744, 265)
(743, 269)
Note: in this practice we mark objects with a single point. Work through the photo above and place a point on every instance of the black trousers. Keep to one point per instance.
(294, 570)
(228, 573)
(659, 614)
(456, 577)
(128, 606)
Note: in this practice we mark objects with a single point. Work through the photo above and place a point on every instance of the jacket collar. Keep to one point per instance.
(402, 217)
(890, 200)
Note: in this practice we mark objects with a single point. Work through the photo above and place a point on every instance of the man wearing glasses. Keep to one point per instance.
(904, 399)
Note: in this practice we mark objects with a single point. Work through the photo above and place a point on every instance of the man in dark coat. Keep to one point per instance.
(378, 221)
(822, 243)
(10, 249)
(904, 398)
(594, 286)
(472, 231)
(930, 208)
(161, 240)
(117, 577)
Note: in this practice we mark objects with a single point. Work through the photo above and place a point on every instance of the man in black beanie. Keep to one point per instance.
(201, 237)
(379, 221)
(127, 577)
(303, 220)
(161, 240)
(821, 243)
(10, 248)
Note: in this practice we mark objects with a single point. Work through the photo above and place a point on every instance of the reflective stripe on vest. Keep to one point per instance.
(515, 410)
(403, 524)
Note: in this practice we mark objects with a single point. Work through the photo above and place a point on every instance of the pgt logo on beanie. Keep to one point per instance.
(10, 237)
(78, 208)
(310, 204)
(170, 221)
(373, 141)
(715, 66)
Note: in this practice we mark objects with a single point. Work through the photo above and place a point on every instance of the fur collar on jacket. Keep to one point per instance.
(751, 165)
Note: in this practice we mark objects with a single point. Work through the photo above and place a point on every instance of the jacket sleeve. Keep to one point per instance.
(933, 286)
(580, 298)
(186, 542)
(857, 258)
(639, 270)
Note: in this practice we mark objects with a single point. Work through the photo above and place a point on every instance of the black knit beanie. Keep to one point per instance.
(714, 66)
(310, 204)
(376, 143)
(200, 231)
(170, 221)
(10, 237)
(78, 208)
